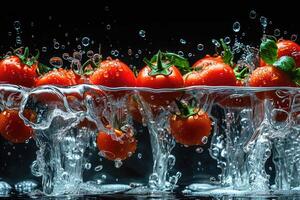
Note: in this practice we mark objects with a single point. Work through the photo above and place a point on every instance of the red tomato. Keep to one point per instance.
(134, 110)
(113, 73)
(14, 71)
(270, 76)
(58, 77)
(191, 130)
(218, 74)
(207, 61)
(121, 147)
(173, 80)
(12, 127)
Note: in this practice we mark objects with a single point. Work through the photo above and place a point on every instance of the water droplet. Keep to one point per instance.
(98, 168)
(199, 150)
(236, 27)
(97, 57)
(252, 14)
(77, 55)
(215, 42)
(79, 46)
(294, 37)
(56, 62)
(129, 52)
(35, 169)
(9, 153)
(204, 139)
(277, 32)
(56, 45)
(116, 53)
(66, 34)
(139, 155)
(212, 179)
(190, 55)
(90, 54)
(137, 56)
(85, 41)
(227, 40)
(180, 53)
(263, 21)
(285, 32)
(18, 40)
(139, 51)
(199, 163)
(44, 49)
(118, 163)
(182, 41)
(200, 47)
(142, 33)
(87, 166)
(108, 27)
(103, 177)
(9, 33)
(17, 25)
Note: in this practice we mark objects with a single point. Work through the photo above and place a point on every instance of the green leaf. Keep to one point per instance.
(43, 69)
(285, 63)
(180, 62)
(268, 51)
(241, 72)
(296, 76)
(228, 55)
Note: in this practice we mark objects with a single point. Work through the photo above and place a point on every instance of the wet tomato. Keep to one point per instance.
(119, 146)
(191, 130)
(12, 127)
(14, 71)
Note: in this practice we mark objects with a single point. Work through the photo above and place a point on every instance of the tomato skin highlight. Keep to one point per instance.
(119, 149)
(191, 130)
(270, 76)
(13, 71)
(173, 80)
(113, 73)
(58, 77)
(12, 127)
(207, 61)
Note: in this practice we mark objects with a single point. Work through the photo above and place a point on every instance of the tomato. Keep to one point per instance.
(113, 73)
(12, 127)
(191, 130)
(173, 80)
(270, 76)
(207, 61)
(216, 74)
(58, 77)
(116, 147)
(287, 48)
(14, 71)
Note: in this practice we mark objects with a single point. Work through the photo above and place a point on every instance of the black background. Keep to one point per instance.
(165, 23)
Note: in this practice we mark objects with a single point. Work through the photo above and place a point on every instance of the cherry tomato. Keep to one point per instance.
(191, 130)
(14, 71)
(116, 147)
(12, 127)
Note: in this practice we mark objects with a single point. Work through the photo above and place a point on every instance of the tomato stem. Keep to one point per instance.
(185, 110)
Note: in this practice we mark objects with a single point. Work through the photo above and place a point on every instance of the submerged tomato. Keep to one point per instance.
(12, 127)
(192, 130)
(119, 148)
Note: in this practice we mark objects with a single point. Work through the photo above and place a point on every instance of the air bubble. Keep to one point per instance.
(17, 25)
(44, 49)
(277, 32)
(85, 41)
(252, 14)
(139, 155)
(129, 52)
(90, 54)
(56, 45)
(180, 53)
(204, 139)
(236, 27)
(182, 41)
(263, 21)
(108, 27)
(87, 166)
(199, 150)
(200, 47)
(227, 40)
(56, 62)
(294, 37)
(98, 168)
(118, 163)
(215, 42)
(142, 33)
